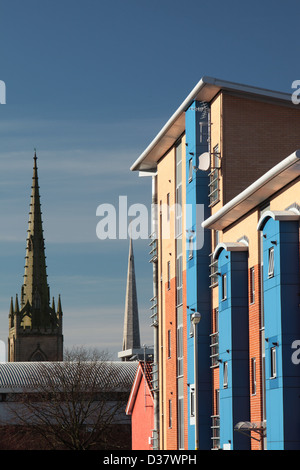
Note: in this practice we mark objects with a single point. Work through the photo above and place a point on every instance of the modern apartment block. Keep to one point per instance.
(256, 382)
(220, 140)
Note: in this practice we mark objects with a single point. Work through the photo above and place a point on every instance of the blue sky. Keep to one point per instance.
(89, 84)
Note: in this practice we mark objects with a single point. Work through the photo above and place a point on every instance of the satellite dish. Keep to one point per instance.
(204, 161)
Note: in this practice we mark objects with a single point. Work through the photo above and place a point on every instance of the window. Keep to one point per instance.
(191, 245)
(178, 211)
(170, 414)
(179, 280)
(168, 207)
(271, 262)
(224, 287)
(253, 376)
(169, 274)
(217, 396)
(180, 417)
(273, 363)
(169, 343)
(190, 169)
(225, 375)
(179, 351)
(252, 286)
(192, 401)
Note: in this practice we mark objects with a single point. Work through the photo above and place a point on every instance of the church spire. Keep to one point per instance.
(35, 291)
(36, 332)
(131, 333)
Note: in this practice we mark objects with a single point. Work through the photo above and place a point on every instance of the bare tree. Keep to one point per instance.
(78, 404)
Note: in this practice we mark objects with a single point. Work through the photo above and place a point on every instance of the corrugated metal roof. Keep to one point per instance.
(18, 376)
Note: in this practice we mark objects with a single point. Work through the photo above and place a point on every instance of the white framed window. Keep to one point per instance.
(170, 414)
(271, 262)
(253, 376)
(169, 344)
(169, 274)
(168, 207)
(192, 404)
(190, 170)
(191, 246)
(273, 363)
(224, 287)
(225, 374)
(252, 286)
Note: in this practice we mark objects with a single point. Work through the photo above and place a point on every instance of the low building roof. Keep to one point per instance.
(17, 376)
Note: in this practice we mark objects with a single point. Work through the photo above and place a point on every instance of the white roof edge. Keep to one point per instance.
(269, 175)
(169, 123)
(221, 84)
(229, 246)
(277, 215)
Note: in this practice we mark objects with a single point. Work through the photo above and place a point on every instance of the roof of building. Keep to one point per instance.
(17, 376)
(263, 188)
(144, 370)
(205, 90)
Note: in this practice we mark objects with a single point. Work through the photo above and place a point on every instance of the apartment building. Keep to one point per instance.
(256, 381)
(221, 139)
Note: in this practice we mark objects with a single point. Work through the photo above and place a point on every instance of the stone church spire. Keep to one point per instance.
(35, 290)
(36, 328)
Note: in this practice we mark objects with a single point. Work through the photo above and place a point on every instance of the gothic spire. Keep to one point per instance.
(35, 291)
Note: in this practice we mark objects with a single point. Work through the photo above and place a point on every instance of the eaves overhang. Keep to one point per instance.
(263, 188)
(205, 90)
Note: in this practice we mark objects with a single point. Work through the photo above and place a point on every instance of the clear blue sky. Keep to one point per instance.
(89, 84)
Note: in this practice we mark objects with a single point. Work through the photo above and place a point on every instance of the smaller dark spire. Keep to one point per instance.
(11, 310)
(17, 310)
(59, 309)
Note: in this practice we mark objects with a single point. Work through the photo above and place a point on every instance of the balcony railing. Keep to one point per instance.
(215, 427)
(213, 267)
(214, 349)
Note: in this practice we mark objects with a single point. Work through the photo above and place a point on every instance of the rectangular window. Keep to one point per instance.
(169, 343)
(168, 207)
(217, 395)
(190, 169)
(179, 280)
(273, 363)
(180, 431)
(224, 287)
(225, 375)
(179, 351)
(178, 211)
(191, 246)
(169, 274)
(252, 286)
(170, 414)
(253, 376)
(271, 262)
(192, 401)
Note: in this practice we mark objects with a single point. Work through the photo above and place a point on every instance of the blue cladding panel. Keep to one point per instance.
(282, 327)
(197, 274)
(234, 347)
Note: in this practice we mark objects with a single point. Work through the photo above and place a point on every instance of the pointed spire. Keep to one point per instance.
(131, 334)
(11, 310)
(35, 287)
(17, 310)
(59, 309)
